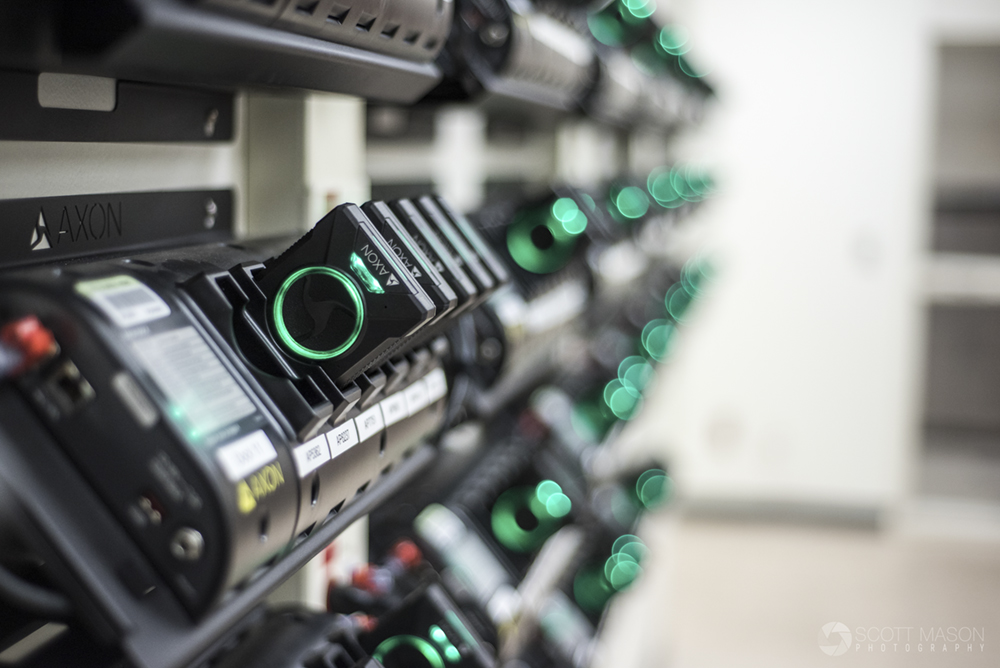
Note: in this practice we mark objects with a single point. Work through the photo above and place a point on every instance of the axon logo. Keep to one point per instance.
(40, 235)
(834, 639)
(86, 222)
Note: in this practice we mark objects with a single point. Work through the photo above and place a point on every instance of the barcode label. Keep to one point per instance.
(202, 395)
(311, 455)
(125, 300)
(342, 438)
(369, 423)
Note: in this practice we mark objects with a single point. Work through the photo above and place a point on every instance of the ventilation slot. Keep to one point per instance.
(365, 22)
(265, 526)
(315, 491)
(431, 43)
(305, 534)
(390, 30)
(361, 490)
(266, 3)
(338, 14)
(306, 7)
(412, 37)
(336, 509)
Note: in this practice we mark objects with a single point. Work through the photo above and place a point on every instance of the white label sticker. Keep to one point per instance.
(203, 396)
(417, 397)
(437, 385)
(342, 438)
(311, 455)
(125, 300)
(369, 423)
(245, 455)
(394, 408)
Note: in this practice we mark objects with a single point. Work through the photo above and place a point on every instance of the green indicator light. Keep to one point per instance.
(634, 373)
(546, 489)
(673, 40)
(624, 573)
(632, 202)
(452, 654)
(657, 339)
(575, 225)
(622, 401)
(640, 9)
(558, 505)
(361, 271)
(623, 541)
(353, 294)
(437, 634)
(686, 68)
(564, 209)
(392, 645)
(662, 189)
(635, 551)
(653, 488)
(677, 301)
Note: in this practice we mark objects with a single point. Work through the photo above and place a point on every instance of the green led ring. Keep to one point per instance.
(286, 336)
(424, 647)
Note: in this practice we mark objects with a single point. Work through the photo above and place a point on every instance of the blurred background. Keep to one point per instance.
(830, 409)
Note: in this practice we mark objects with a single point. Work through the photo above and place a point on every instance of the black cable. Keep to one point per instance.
(33, 598)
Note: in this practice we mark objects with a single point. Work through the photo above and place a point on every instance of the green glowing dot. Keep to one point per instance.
(634, 373)
(390, 645)
(575, 225)
(673, 40)
(361, 271)
(547, 488)
(632, 202)
(624, 573)
(558, 505)
(452, 654)
(437, 634)
(634, 551)
(677, 301)
(564, 209)
(653, 488)
(657, 339)
(686, 68)
(641, 9)
(662, 189)
(623, 403)
(623, 541)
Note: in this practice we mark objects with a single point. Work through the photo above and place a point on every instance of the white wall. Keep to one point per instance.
(797, 379)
